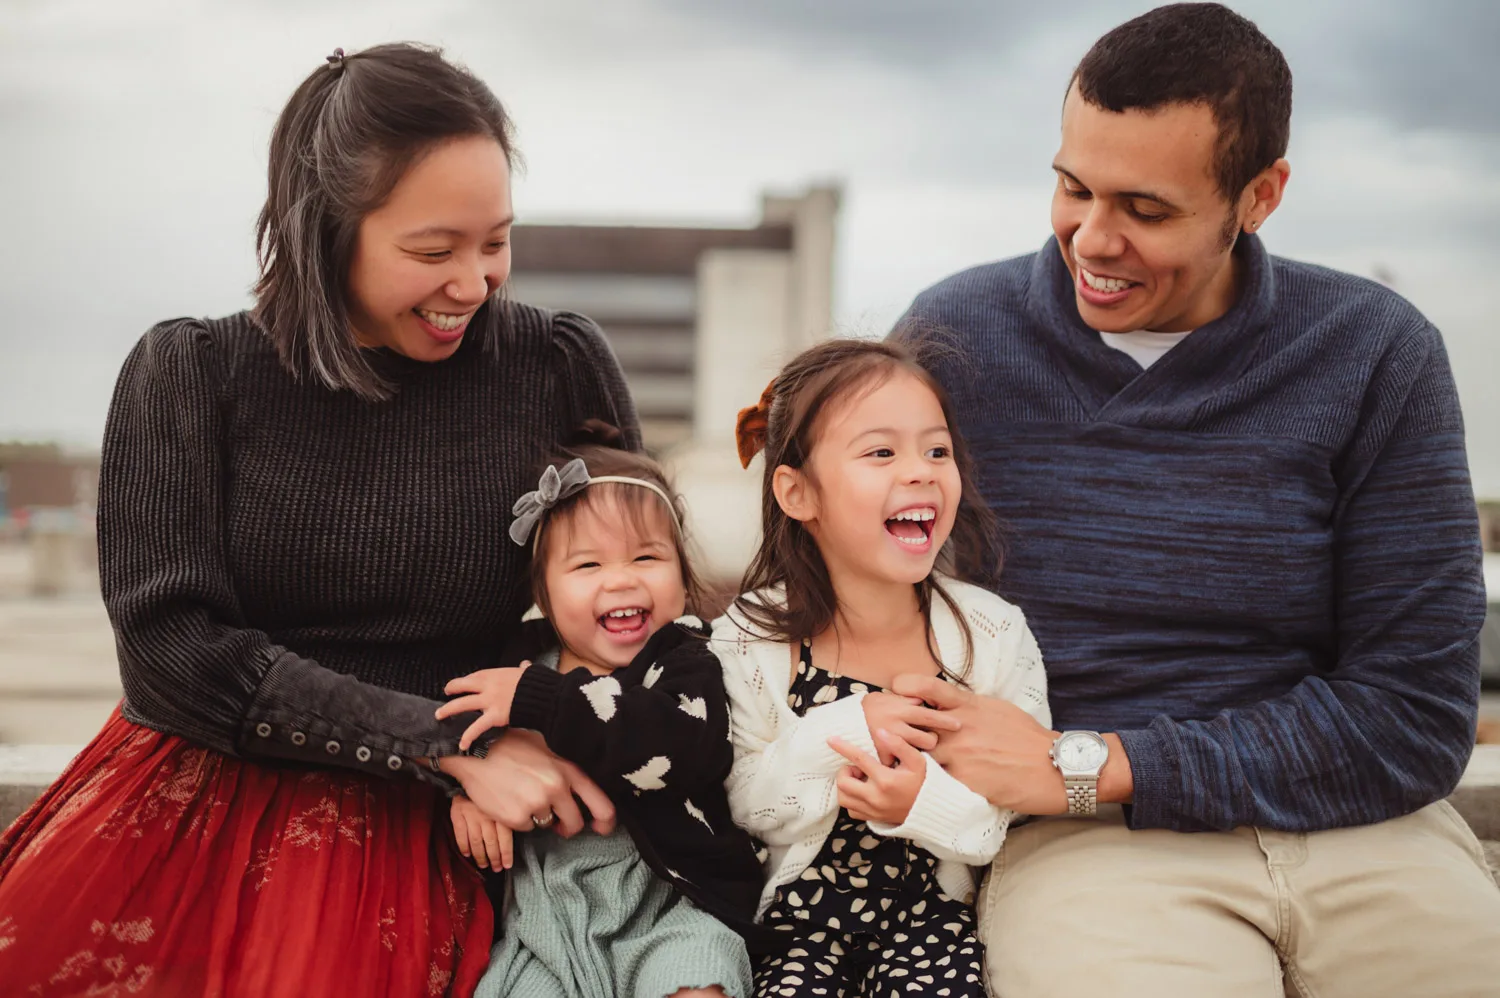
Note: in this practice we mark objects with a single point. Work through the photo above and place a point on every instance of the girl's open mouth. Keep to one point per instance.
(913, 527)
(626, 625)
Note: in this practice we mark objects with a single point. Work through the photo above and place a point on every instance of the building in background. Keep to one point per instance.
(48, 499)
(1489, 529)
(46, 480)
(701, 319)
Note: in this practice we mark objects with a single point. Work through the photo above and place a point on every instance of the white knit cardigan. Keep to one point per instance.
(782, 786)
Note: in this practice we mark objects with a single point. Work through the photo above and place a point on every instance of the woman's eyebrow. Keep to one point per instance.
(443, 230)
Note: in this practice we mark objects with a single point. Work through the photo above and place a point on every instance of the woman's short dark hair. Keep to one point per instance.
(341, 144)
(1199, 53)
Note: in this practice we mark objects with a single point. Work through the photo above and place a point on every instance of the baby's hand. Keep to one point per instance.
(491, 692)
(908, 719)
(483, 839)
(873, 791)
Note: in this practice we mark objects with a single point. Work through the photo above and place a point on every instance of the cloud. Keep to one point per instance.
(145, 129)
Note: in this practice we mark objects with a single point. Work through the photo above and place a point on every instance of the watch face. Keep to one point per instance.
(1077, 752)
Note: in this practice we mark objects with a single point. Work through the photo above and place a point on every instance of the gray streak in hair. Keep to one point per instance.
(344, 140)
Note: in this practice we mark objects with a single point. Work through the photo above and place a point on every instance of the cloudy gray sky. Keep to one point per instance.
(135, 135)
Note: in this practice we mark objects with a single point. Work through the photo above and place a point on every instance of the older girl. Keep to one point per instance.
(300, 545)
(870, 520)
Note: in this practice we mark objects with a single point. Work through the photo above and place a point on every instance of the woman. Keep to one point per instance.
(302, 520)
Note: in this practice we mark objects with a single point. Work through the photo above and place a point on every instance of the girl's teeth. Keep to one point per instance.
(1106, 284)
(919, 515)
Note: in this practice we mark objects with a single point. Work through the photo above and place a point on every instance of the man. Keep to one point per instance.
(1242, 528)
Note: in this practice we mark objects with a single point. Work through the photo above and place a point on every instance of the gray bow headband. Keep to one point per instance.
(555, 487)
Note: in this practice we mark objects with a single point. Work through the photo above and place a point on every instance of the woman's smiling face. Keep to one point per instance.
(434, 251)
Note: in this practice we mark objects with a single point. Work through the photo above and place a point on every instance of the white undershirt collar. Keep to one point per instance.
(1144, 346)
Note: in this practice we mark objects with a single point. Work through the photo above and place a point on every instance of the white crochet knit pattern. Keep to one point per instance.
(782, 786)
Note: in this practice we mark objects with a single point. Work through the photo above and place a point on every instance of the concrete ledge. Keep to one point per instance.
(27, 770)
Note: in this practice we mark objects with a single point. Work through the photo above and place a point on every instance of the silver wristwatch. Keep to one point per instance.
(1079, 756)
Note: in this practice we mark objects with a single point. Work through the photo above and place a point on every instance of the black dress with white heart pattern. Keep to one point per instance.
(867, 915)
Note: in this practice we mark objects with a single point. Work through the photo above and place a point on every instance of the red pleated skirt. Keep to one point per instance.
(155, 867)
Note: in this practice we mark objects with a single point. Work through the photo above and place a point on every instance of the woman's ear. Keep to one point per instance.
(794, 493)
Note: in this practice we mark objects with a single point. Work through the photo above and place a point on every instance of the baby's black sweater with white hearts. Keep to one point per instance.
(655, 736)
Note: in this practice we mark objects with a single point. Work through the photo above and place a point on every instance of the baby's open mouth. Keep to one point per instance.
(625, 622)
(912, 526)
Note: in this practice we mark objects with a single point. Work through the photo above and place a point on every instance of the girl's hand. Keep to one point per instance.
(483, 839)
(519, 780)
(873, 791)
(491, 692)
(908, 719)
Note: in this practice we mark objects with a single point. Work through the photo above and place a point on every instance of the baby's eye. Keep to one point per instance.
(584, 565)
(939, 453)
(647, 557)
(882, 452)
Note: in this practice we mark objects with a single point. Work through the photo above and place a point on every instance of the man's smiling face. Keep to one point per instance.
(1141, 222)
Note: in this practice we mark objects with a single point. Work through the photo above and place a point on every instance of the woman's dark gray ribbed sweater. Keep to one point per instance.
(293, 572)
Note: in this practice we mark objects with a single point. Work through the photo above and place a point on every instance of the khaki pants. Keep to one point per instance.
(1406, 909)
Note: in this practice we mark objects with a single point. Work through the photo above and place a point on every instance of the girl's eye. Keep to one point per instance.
(882, 452)
(587, 564)
(939, 453)
(647, 557)
(495, 247)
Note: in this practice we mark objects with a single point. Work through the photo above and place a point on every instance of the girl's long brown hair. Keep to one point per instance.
(821, 376)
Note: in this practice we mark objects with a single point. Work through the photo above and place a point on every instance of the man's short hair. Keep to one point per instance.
(1199, 53)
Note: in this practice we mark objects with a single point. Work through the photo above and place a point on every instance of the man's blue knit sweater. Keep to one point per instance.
(1258, 561)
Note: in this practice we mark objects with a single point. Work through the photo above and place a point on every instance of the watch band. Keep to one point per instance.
(1083, 795)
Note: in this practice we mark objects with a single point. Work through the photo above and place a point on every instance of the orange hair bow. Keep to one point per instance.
(750, 427)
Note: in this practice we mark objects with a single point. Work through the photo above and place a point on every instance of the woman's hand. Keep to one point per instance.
(491, 692)
(483, 839)
(522, 785)
(908, 719)
(873, 791)
(1001, 752)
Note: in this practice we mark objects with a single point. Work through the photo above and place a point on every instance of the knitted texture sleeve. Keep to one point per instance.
(193, 661)
(588, 378)
(1258, 560)
(784, 781)
(1391, 727)
(948, 819)
(659, 723)
(189, 661)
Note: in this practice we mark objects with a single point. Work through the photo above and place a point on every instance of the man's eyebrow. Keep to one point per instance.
(1160, 199)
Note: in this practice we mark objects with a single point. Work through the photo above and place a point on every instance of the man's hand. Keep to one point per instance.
(483, 839)
(908, 719)
(873, 791)
(1000, 752)
(491, 692)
